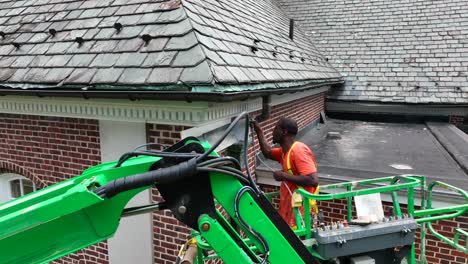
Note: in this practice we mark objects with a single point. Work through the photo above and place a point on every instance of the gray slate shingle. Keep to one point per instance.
(190, 41)
(134, 76)
(198, 74)
(131, 60)
(81, 60)
(189, 57)
(165, 75)
(81, 76)
(107, 75)
(159, 59)
(392, 51)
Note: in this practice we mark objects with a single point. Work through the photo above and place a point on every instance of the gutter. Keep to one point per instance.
(161, 95)
(370, 102)
(393, 108)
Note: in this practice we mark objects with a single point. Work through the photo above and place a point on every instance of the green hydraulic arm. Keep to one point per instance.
(65, 217)
(231, 218)
(71, 215)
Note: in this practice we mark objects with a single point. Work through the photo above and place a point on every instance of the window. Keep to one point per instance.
(13, 186)
(20, 187)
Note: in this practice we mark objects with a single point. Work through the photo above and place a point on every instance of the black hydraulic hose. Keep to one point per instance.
(220, 160)
(241, 177)
(262, 240)
(228, 130)
(165, 175)
(240, 173)
(161, 154)
(246, 138)
(246, 159)
(151, 144)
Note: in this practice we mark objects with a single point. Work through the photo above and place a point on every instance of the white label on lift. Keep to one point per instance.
(369, 206)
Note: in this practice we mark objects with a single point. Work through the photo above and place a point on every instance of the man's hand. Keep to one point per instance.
(256, 126)
(279, 175)
(264, 147)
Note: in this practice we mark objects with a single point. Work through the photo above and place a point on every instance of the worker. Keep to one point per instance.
(298, 162)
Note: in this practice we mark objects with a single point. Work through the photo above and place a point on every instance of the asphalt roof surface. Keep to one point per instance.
(370, 150)
(154, 43)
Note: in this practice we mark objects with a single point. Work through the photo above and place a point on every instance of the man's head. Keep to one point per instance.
(286, 127)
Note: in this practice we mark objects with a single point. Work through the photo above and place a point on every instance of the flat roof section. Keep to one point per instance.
(371, 149)
(365, 150)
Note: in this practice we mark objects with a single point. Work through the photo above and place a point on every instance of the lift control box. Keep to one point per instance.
(356, 239)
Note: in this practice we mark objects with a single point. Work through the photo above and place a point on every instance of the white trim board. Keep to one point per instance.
(150, 111)
(197, 114)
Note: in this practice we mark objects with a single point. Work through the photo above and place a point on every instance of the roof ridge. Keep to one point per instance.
(199, 43)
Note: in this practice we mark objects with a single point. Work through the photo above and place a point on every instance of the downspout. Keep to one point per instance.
(266, 109)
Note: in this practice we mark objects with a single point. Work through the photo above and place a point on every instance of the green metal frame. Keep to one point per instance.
(393, 185)
(429, 214)
(354, 188)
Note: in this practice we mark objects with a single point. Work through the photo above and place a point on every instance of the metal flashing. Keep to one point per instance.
(397, 109)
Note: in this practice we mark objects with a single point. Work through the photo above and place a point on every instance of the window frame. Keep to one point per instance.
(13, 177)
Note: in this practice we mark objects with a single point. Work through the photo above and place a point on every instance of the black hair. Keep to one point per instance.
(289, 124)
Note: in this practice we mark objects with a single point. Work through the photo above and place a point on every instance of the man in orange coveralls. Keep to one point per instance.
(297, 160)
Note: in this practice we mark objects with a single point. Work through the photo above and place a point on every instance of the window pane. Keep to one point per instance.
(28, 187)
(15, 188)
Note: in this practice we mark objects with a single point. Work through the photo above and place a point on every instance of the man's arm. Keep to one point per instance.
(309, 180)
(264, 147)
(304, 161)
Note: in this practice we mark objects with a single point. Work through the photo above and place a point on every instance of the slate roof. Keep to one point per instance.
(153, 44)
(396, 51)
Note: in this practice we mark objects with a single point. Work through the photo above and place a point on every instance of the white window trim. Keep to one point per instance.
(13, 177)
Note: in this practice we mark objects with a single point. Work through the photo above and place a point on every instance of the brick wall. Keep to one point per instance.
(52, 149)
(48, 150)
(437, 252)
(458, 120)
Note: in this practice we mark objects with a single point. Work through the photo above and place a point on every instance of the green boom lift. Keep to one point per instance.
(231, 218)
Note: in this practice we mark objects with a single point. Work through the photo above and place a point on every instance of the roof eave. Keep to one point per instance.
(148, 94)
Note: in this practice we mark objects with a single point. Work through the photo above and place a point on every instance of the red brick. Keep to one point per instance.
(34, 139)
